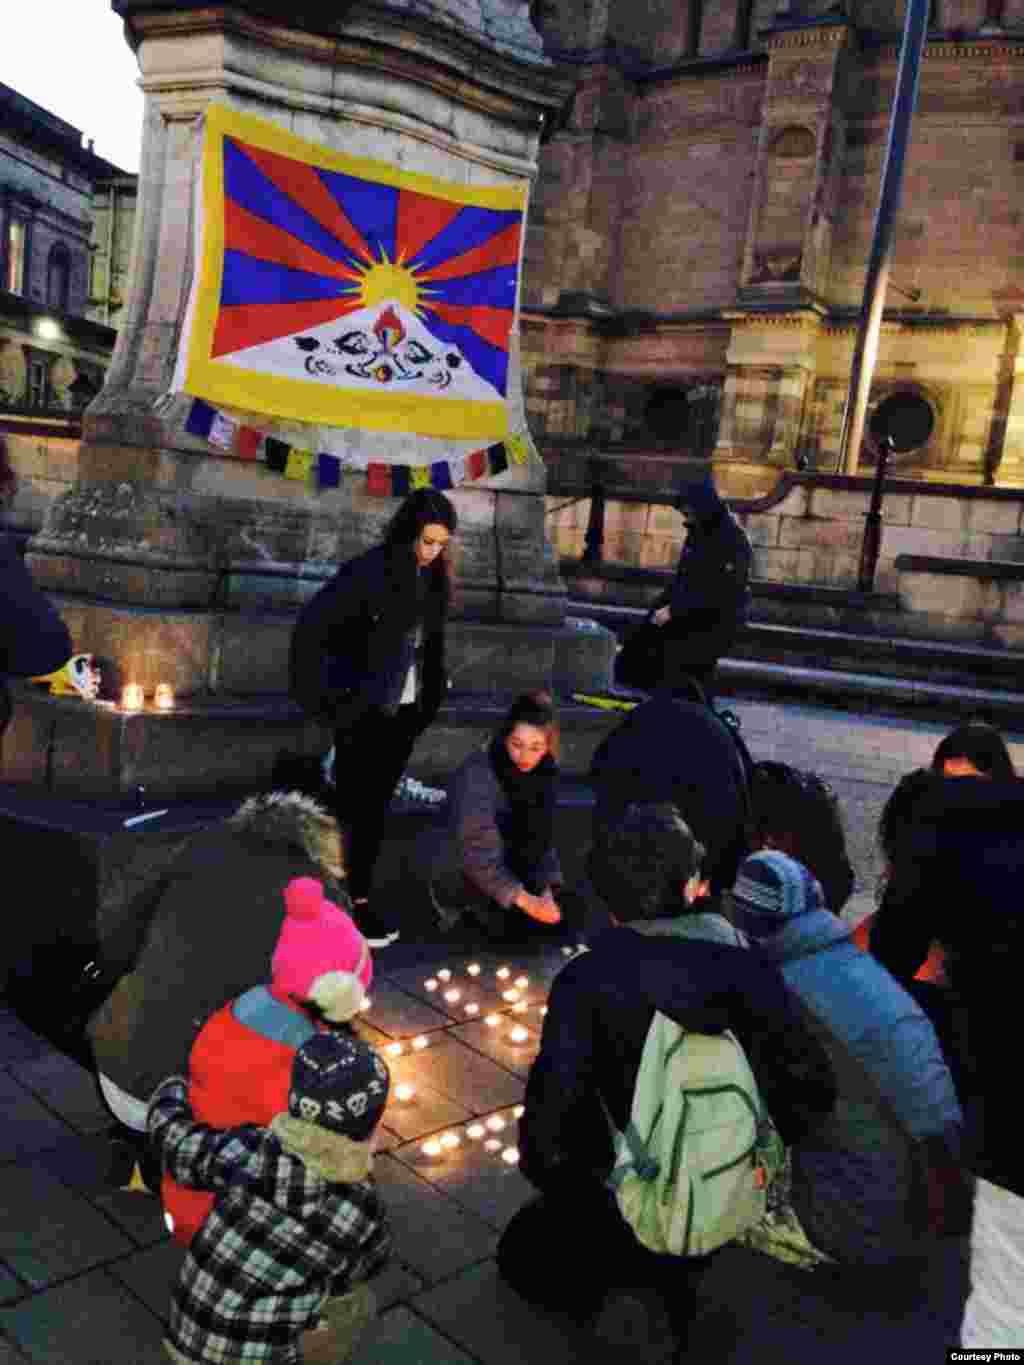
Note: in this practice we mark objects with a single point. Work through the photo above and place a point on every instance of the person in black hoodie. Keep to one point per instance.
(710, 598)
(569, 1248)
(958, 880)
(367, 657)
(33, 638)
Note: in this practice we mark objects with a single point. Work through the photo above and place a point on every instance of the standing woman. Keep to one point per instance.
(501, 811)
(367, 657)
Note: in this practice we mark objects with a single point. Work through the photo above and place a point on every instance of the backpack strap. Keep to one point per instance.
(258, 1010)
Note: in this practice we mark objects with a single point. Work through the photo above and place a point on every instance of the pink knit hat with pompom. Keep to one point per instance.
(320, 954)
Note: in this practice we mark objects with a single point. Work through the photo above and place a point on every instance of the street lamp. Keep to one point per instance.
(901, 422)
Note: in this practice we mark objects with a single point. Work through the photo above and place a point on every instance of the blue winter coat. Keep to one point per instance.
(854, 1175)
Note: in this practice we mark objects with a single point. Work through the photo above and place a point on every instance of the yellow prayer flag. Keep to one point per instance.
(419, 476)
(300, 464)
(518, 448)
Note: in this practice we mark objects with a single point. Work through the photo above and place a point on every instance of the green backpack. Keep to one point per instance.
(693, 1167)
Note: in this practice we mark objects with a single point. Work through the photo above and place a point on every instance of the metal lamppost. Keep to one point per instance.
(900, 423)
(872, 542)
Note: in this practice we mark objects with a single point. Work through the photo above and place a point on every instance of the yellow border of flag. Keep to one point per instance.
(303, 400)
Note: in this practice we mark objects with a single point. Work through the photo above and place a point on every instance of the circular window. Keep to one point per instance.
(667, 414)
(905, 417)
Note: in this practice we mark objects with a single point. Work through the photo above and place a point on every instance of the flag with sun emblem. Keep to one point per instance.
(340, 291)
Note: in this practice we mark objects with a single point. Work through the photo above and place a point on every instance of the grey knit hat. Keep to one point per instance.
(771, 889)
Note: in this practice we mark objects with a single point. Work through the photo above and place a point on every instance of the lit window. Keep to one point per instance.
(15, 281)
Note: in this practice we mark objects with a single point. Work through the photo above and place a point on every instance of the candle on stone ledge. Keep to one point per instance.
(132, 697)
(163, 697)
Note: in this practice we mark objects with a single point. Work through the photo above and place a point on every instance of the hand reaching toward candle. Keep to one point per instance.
(542, 908)
(662, 616)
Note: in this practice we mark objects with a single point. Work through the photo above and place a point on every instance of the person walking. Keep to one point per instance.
(367, 658)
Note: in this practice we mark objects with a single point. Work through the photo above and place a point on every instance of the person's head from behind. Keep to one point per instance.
(797, 813)
(898, 822)
(771, 890)
(974, 749)
(321, 961)
(529, 732)
(338, 1084)
(425, 522)
(647, 864)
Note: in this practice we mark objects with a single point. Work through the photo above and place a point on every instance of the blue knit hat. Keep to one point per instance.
(771, 889)
(339, 1083)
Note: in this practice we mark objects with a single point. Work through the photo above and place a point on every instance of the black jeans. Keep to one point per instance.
(566, 1253)
(370, 758)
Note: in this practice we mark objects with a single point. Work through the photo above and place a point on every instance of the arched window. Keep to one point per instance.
(906, 417)
(58, 278)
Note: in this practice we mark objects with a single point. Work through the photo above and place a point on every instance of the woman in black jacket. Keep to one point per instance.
(33, 638)
(367, 657)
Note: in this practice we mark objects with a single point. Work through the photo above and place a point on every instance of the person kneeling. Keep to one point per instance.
(581, 1088)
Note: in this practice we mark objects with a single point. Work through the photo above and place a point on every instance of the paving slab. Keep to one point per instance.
(433, 1235)
(83, 1164)
(400, 1337)
(398, 1015)
(150, 1274)
(93, 1320)
(48, 1232)
(28, 1126)
(17, 1042)
(66, 1088)
(463, 1076)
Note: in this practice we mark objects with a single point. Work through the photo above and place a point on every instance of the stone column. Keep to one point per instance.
(457, 89)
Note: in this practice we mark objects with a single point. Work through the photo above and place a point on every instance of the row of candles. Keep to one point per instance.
(476, 1132)
(133, 697)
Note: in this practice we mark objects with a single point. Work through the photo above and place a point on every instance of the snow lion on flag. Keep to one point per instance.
(341, 291)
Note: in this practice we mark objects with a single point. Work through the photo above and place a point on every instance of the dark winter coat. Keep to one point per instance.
(679, 751)
(33, 639)
(206, 934)
(478, 814)
(710, 596)
(959, 880)
(856, 1175)
(351, 646)
(599, 1011)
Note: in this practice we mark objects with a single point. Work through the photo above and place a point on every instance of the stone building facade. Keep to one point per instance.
(55, 345)
(703, 219)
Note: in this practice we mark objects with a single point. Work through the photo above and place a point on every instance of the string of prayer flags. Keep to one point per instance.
(328, 471)
(497, 460)
(275, 453)
(300, 465)
(200, 419)
(248, 443)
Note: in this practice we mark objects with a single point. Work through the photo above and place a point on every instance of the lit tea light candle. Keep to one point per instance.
(366, 1005)
(510, 1155)
(394, 1049)
(518, 1035)
(163, 697)
(404, 1093)
(492, 1020)
(132, 697)
(430, 984)
(473, 969)
(450, 1140)
(452, 996)
(522, 982)
(567, 951)
(520, 1007)
(495, 1123)
(543, 1010)
(445, 974)
(476, 1131)
(503, 973)
(510, 996)
(519, 1111)
(492, 1144)
(472, 1008)
(419, 1042)
(432, 1148)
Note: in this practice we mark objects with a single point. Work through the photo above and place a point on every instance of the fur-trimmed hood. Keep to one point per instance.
(291, 819)
(338, 1159)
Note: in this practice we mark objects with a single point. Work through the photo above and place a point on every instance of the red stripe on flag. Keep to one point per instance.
(476, 464)
(250, 324)
(501, 249)
(244, 232)
(420, 218)
(493, 324)
(301, 183)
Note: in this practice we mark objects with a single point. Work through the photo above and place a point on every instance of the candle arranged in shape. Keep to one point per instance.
(132, 697)
(163, 697)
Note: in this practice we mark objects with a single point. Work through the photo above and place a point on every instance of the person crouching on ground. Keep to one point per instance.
(501, 813)
(277, 1271)
(861, 1175)
(241, 1063)
(600, 1009)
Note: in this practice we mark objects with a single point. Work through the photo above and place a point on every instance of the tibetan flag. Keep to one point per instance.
(476, 464)
(401, 484)
(457, 466)
(248, 443)
(300, 464)
(440, 474)
(378, 480)
(420, 476)
(518, 449)
(497, 460)
(335, 290)
(328, 470)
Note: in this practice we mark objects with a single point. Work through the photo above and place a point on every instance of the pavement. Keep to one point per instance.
(86, 1268)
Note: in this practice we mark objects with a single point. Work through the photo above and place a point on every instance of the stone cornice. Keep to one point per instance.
(805, 36)
(957, 50)
(384, 43)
